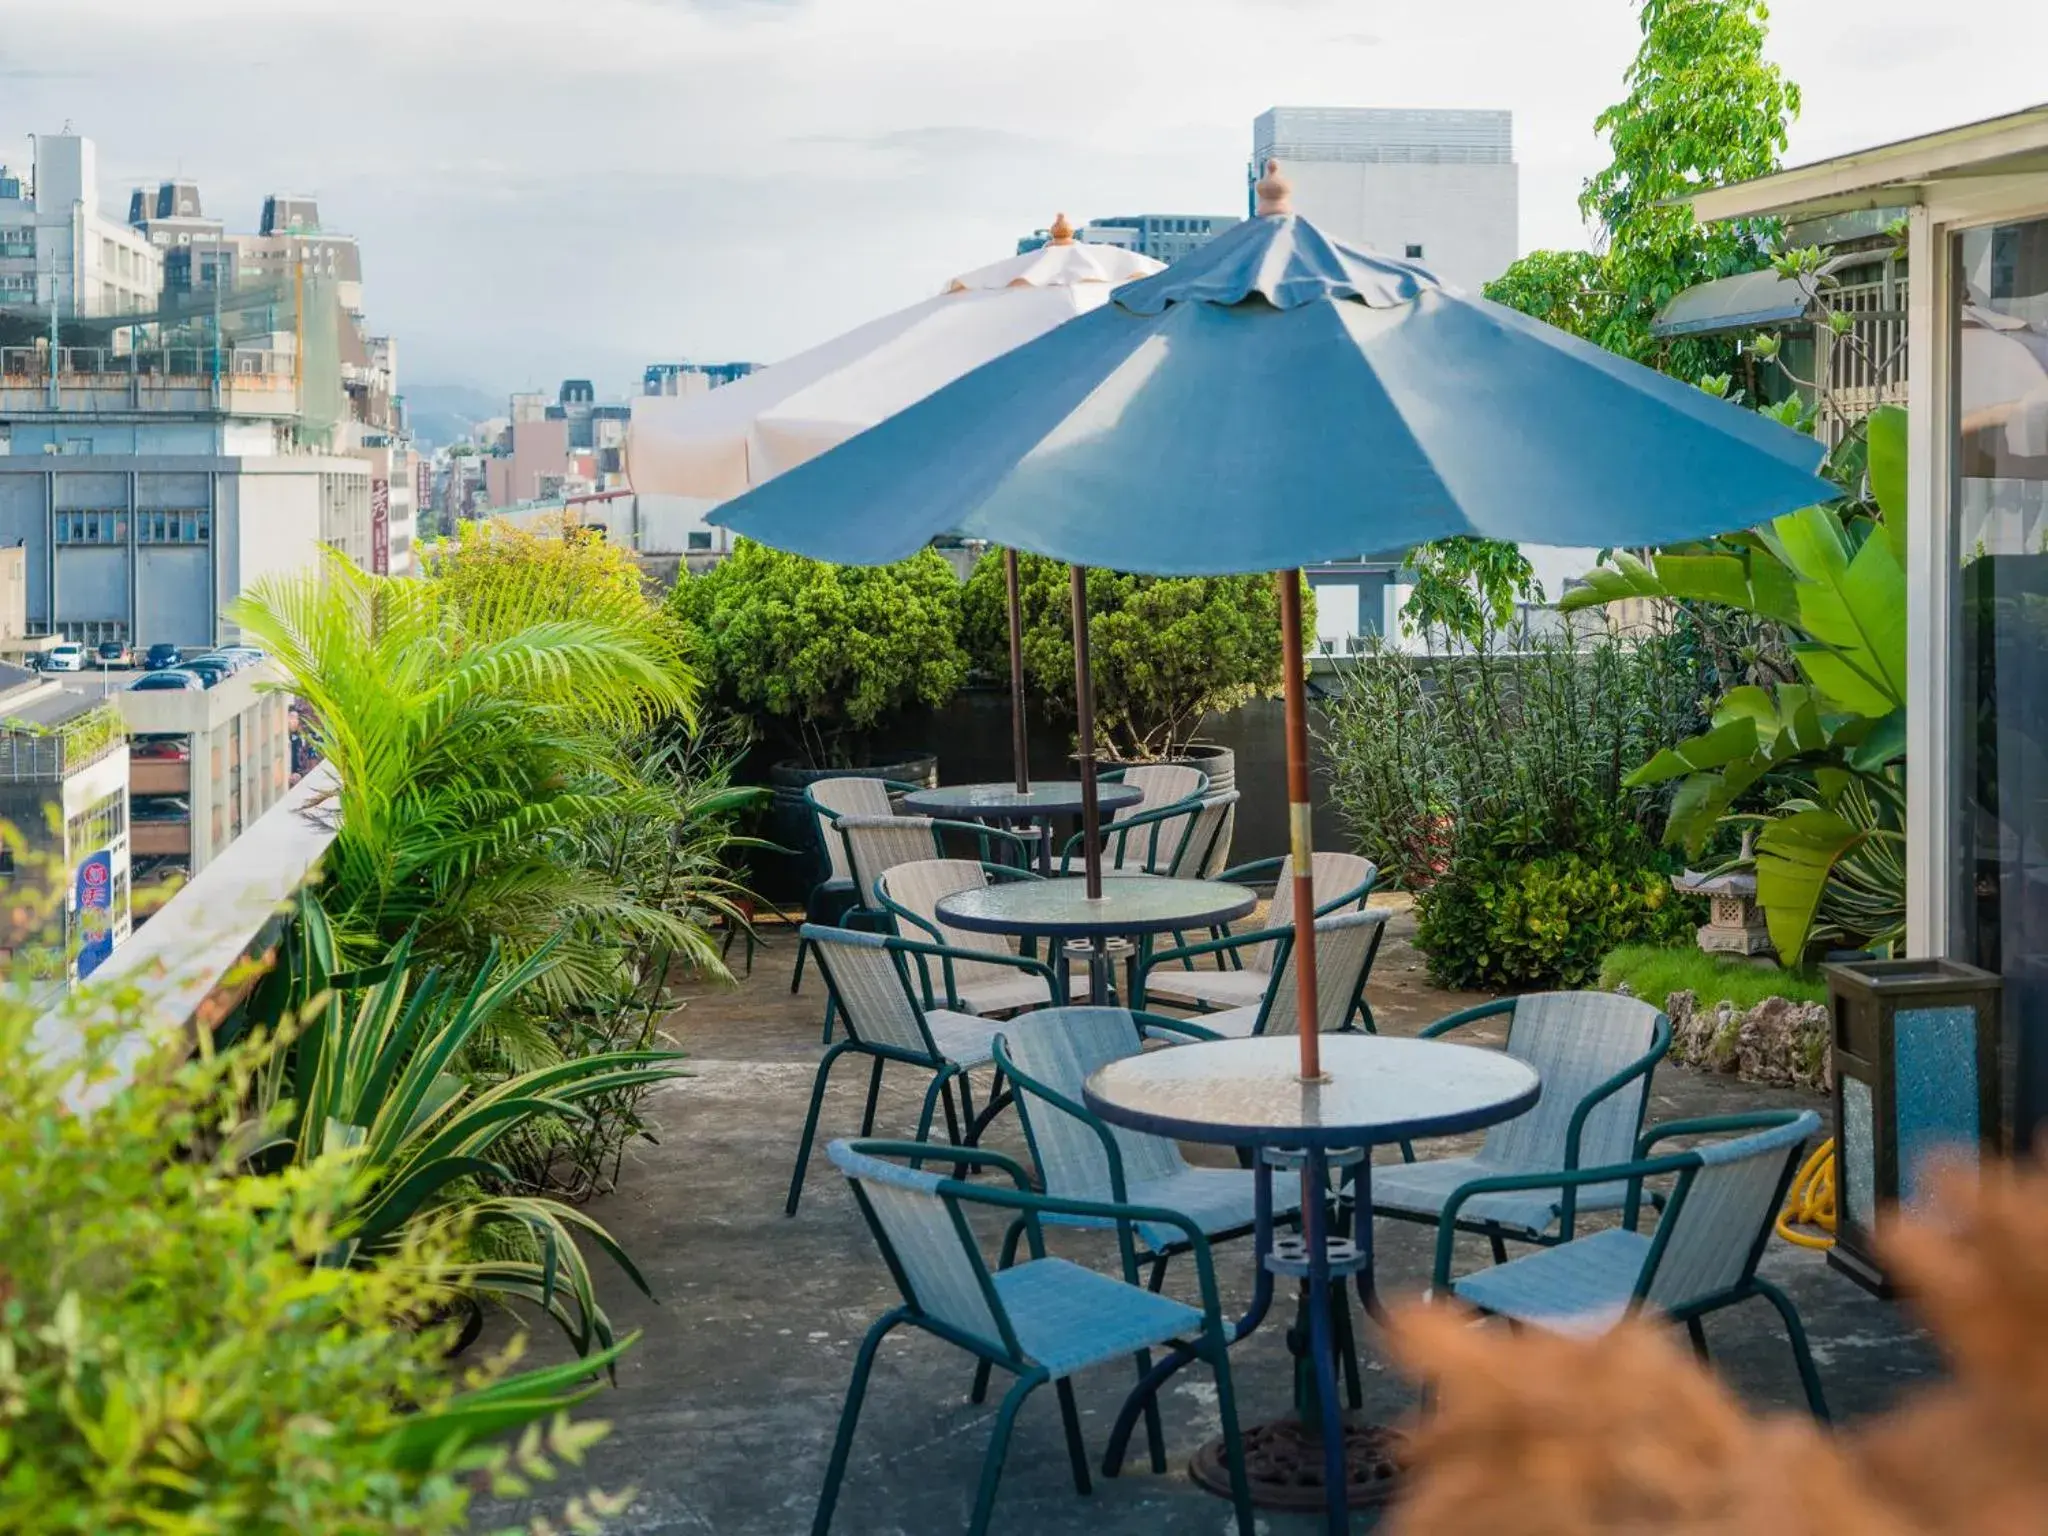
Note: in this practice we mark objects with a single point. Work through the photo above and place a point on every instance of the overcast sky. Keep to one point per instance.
(551, 187)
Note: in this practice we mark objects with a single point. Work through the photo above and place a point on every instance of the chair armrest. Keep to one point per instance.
(1459, 1020)
(942, 1152)
(1640, 1068)
(1255, 869)
(1150, 1024)
(1125, 1217)
(1512, 1183)
(948, 953)
(1713, 1125)
(1156, 957)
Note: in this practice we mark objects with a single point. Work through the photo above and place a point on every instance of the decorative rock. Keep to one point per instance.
(1777, 1041)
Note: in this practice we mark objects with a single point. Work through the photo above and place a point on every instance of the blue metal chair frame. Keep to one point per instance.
(1776, 1128)
(1638, 1071)
(1282, 940)
(1116, 837)
(1207, 1339)
(872, 908)
(928, 1057)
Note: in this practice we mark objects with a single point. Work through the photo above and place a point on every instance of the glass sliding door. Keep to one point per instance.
(2001, 543)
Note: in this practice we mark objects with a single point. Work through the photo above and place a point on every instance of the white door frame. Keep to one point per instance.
(1937, 913)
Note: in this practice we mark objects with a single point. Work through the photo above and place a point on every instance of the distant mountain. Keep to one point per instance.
(444, 413)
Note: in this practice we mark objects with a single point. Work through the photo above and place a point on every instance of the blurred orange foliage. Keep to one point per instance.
(1538, 1435)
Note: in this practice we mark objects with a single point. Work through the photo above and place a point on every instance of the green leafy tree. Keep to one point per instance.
(1467, 589)
(1567, 289)
(1166, 651)
(1704, 108)
(828, 653)
(175, 1356)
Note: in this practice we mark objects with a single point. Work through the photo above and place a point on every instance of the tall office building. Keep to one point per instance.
(1439, 187)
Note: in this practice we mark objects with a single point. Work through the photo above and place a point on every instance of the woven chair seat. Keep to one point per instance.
(1067, 1318)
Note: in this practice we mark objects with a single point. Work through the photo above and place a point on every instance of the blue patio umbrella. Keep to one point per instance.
(1275, 400)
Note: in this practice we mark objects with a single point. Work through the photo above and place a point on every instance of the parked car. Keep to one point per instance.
(160, 655)
(242, 655)
(208, 669)
(64, 658)
(233, 660)
(169, 678)
(110, 653)
(174, 749)
(159, 808)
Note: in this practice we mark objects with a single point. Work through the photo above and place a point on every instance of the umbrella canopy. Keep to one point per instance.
(1278, 399)
(717, 445)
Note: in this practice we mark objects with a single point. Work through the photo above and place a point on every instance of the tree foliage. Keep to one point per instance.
(1165, 651)
(1466, 589)
(827, 653)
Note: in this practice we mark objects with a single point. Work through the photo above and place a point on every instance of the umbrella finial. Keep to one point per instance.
(1274, 191)
(1061, 233)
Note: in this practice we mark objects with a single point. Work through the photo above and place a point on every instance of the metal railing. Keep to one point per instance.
(194, 363)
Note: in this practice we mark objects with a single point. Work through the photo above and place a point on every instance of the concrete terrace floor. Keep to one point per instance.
(724, 1413)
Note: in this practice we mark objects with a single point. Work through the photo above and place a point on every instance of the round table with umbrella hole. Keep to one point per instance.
(1045, 799)
(1249, 1094)
(1130, 906)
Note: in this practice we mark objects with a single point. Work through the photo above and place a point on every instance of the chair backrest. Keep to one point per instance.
(1345, 945)
(922, 884)
(830, 799)
(1060, 1048)
(1162, 784)
(1204, 826)
(1576, 1041)
(1218, 858)
(874, 990)
(1344, 876)
(929, 1247)
(877, 844)
(1720, 1216)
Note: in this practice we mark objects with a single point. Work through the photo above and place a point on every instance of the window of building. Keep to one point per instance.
(94, 631)
(92, 527)
(98, 826)
(1415, 253)
(700, 538)
(173, 525)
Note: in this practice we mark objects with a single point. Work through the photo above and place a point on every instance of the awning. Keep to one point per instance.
(1742, 302)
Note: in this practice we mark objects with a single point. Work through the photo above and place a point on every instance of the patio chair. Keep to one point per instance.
(877, 844)
(1701, 1257)
(1044, 1320)
(1161, 783)
(827, 799)
(965, 983)
(886, 1021)
(1171, 840)
(1595, 1052)
(1342, 883)
(1047, 1056)
(1346, 944)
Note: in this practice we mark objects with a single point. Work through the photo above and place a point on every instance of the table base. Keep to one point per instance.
(1283, 1462)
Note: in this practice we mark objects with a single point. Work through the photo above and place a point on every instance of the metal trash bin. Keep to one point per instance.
(1915, 1047)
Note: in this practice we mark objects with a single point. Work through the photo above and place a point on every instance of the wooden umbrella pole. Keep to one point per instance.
(1018, 745)
(1084, 708)
(1301, 840)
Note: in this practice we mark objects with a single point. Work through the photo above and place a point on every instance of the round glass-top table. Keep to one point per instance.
(1131, 906)
(1004, 802)
(1249, 1094)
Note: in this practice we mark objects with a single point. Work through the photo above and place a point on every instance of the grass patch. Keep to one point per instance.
(1653, 973)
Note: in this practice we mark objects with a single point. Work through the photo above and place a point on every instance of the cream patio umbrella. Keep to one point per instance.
(723, 443)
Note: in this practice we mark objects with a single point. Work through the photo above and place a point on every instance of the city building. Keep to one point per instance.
(58, 249)
(202, 766)
(64, 791)
(155, 460)
(691, 378)
(1163, 236)
(1438, 187)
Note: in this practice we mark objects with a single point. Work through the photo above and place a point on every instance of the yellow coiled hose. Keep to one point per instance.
(1809, 1215)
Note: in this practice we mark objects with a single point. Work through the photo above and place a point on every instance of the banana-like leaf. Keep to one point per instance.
(1795, 856)
(1884, 434)
(1883, 744)
(1733, 742)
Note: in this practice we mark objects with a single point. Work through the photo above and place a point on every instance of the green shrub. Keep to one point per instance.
(178, 1353)
(1545, 920)
(824, 653)
(1654, 972)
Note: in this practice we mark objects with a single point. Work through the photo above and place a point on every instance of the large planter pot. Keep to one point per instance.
(1220, 763)
(789, 876)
